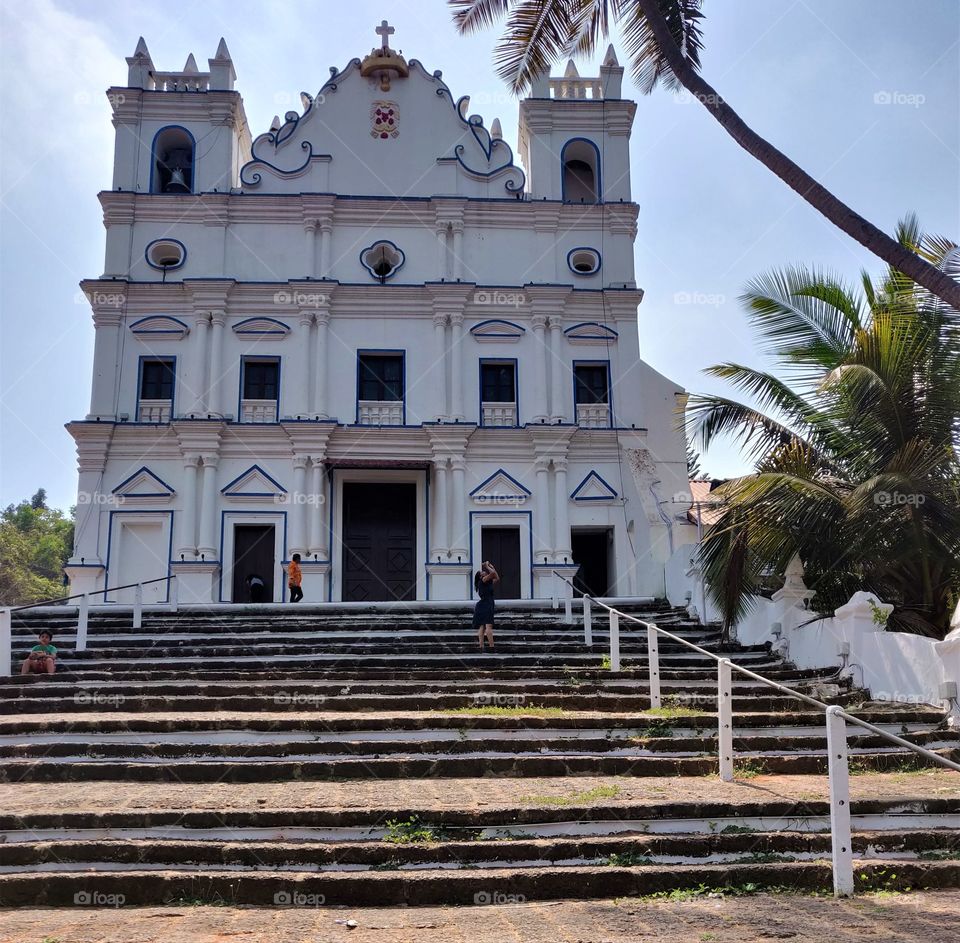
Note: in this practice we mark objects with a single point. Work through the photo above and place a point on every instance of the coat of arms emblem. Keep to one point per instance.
(386, 119)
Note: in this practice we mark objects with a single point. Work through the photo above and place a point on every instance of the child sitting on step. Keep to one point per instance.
(42, 658)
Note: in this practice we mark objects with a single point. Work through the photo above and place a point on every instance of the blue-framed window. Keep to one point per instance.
(155, 389)
(259, 389)
(580, 168)
(498, 381)
(591, 383)
(381, 377)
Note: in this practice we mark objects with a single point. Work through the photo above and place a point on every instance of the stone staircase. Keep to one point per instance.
(351, 755)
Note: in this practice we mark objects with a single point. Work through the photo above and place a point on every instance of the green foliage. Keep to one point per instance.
(627, 859)
(579, 798)
(35, 543)
(854, 442)
(407, 831)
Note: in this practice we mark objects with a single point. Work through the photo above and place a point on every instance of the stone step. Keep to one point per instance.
(438, 886)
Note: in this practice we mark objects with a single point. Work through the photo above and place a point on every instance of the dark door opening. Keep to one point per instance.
(501, 546)
(592, 550)
(253, 555)
(379, 541)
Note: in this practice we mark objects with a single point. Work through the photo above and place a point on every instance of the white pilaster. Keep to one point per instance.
(326, 237)
(194, 381)
(440, 364)
(209, 508)
(301, 397)
(106, 362)
(317, 510)
(460, 541)
(558, 371)
(442, 270)
(217, 323)
(187, 531)
(310, 247)
(298, 541)
(456, 367)
(539, 358)
(441, 512)
(542, 543)
(562, 551)
(319, 366)
(458, 266)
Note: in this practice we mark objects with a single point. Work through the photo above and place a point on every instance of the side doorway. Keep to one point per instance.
(501, 546)
(593, 553)
(253, 556)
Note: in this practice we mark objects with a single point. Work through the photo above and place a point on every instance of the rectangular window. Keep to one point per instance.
(156, 378)
(592, 383)
(260, 379)
(381, 377)
(498, 383)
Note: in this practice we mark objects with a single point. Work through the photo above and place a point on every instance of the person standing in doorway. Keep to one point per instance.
(484, 581)
(295, 578)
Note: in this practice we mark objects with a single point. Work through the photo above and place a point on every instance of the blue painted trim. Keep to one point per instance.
(529, 515)
(595, 269)
(611, 333)
(160, 317)
(106, 568)
(243, 365)
(250, 494)
(165, 268)
(506, 474)
(593, 363)
(403, 383)
(383, 242)
(596, 175)
(593, 475)
(516, 391)
(153, 159)
(156, 478)
(285, 328)
(173, 393)
(283, 549)
(520, 330)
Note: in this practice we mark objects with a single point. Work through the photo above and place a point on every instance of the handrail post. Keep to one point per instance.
(6, 642)
(614, 640)
(138, 606)
(567, 609)
(555, 597)
(653, 659)
(173, 592)
(725, 718)
(82, 617)
(587, 622)
(839, 772)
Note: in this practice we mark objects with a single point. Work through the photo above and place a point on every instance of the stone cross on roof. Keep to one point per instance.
(384, 31)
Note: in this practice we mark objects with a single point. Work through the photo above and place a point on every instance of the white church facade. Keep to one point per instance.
(373, 337)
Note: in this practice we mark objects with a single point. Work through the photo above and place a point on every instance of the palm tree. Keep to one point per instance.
(856, 442)
(664, 40)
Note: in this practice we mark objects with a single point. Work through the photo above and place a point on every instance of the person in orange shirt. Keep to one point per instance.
(295, 578)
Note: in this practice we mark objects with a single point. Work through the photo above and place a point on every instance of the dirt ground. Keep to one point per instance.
(891, 918)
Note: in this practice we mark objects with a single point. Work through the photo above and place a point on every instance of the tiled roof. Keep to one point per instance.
(701, 489)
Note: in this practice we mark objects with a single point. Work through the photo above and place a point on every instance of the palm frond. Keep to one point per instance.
(649, 66)
(470, 16)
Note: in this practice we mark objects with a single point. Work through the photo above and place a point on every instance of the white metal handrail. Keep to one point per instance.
(836, 718)
(83, 615)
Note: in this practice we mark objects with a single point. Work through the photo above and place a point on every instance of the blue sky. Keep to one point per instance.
(864, 94)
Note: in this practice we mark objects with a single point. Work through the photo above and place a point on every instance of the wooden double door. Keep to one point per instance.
(379, 541)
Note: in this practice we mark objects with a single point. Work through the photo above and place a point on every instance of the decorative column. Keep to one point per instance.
(209, 508)
(539, 323)
(442, 252)
(562, 550)
(302, 399)
(558, 371)
(317, 506)
(441, 511)
(187, 531)
(298, 507)
(195, 380)
(105, 363)
(458, 266)
(326, 237)
(542, 542)
(319, 363)
(217, 322)
(460, 541)
(456, 373)
(440, 359)
(310, 247)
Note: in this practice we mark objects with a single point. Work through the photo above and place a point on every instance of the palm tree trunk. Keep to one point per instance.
(821, 199)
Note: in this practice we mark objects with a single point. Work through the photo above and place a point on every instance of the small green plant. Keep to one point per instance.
(407, 831)
(492, 710)
(672, 711)
(762, 857)
(659, 729)
(627, 859)
(938, 854)
(735, 830)
(878, 616)
(749, 769)
(587, 795)
(605, 663)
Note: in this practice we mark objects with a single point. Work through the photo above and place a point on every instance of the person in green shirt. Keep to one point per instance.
(42, 658)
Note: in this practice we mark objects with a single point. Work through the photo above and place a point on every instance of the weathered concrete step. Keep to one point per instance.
(440, 886)
(550, 743)
(326, 721)
(570, 764)
(603, 702)
(449, 850)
